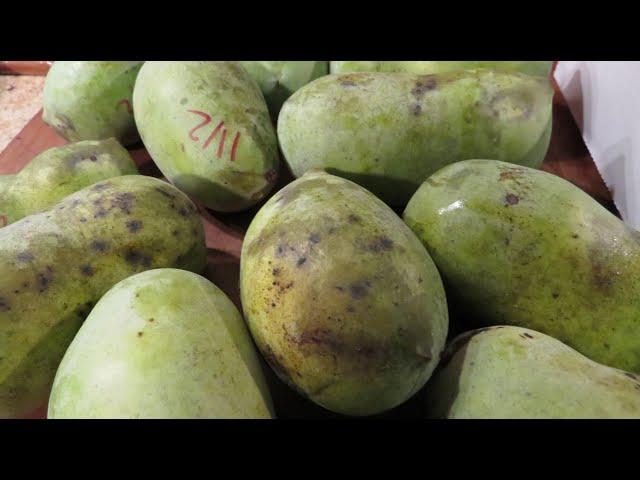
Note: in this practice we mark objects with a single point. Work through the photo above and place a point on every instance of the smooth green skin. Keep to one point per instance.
(390, 131)
(342, 300)
(279, 79)
(5, 183)
(164, 343)
(519, 246)
(58, 263)
(539, 68)
(84, 100)
(163, 96)
(61, 171)
(515, 373)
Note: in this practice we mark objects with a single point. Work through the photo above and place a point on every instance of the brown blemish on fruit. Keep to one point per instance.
(135, 257)
(380, 244)
(140, 334)
(631, 375)
(25, 256)
(276, 272)
(98, 187)
(99, 246)
(301, 261)
(123, 201)
(314, 238)
(134, 225)
(359, 289)
(416, 110)
(5, 306)
(275, 362)
(425, 83)
(166, 193)
(87, 270)
(511, 199)
(44, 279)
(352, 218)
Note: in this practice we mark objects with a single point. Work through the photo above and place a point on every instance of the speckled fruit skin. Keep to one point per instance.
(91, 100)
(57, 263)
(389, 131)
(279, 79)
(539, 68)
(519, 246)
(340, 296)
(506, 372)
(61, 171)
(164, 343)
(207, 127)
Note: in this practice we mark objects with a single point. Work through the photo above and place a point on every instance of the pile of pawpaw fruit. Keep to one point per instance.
(420, 261)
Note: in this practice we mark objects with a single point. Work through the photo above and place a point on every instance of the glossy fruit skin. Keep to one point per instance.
(91, 100)
(519, 246)
(60, 171)
(389, 131)
(174, 346)
(279, 79)
(207, 127)
(341, 299)
(56, 265)
(506, 372)
(538, 68)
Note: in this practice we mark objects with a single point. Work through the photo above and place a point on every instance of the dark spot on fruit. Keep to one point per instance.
(123, 201)
(380, 244)
(280, 250)
(348, 83)
(98, 187)
(100, 213)
(416, 109)
(134, 225)
(511, 199)
(98, 246)
(174, 233)
(134, 257)
(359, 289)
(86, 270)
(606, 345)
(151, 320)
(276, 272)
(340, 289)
(424, 84)
(83, 219)
(420, 280)
(555, 294)
(301, 261)
(44, 279)
(139, 334)
(25, 256)
(4, 305)
(350, 309)
(353, 218)
(93, 158)
(314, 238)
(575, 235)
(631, 375)
(273, 305)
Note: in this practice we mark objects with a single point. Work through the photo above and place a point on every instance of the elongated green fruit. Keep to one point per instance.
(519, 246)
(342, 300)
(279, 79)
(508, 372)
(390, 131)
(540, 68)
(56, 264)
(164, 343)
(91, 100)
(207, 127)
(61, 171)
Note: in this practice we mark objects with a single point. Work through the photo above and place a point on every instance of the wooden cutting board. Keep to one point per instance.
(567, 157)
